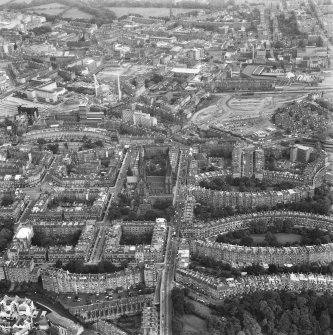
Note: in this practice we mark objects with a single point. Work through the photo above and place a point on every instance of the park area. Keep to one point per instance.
(282, 238)
(60, 10)
(193, 324)
(147, 12)
(50, 9)
(75, 13)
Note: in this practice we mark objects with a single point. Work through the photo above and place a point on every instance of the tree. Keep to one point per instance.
(7, 200)
(53, 147)
(189, 308)
(177, 326)
(41, 141)
(54, 331)
(42, 30)
(99, 143)
(129, 171)
(58, 264)
(247, 241)
(177, 296)
(3, 244)
(278, 45)
(251, 324)
(6, 234)
(325, 320)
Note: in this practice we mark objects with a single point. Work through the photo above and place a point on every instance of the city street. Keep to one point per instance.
(170, 262)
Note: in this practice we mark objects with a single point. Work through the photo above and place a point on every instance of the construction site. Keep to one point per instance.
(245, 113)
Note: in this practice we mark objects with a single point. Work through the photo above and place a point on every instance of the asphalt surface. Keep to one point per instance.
(170, 261)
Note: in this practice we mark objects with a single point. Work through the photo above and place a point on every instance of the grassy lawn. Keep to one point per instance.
(146, 12)
(75, 13)
(193, 324)
(200, 309)
(281, 238)
(51, 9)
(130, 323)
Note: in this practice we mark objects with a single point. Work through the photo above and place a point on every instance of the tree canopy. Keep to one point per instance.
(281, 312)
(105, 266)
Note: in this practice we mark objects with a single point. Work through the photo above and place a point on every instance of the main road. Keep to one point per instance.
(114, 191)
(170, 260)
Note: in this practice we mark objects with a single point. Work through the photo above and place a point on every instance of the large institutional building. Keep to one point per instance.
(247, 161)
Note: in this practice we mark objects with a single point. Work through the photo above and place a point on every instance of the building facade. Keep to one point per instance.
(60, 281)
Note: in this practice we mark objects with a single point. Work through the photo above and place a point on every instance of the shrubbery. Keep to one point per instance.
(244, 184)
(102, 267)
(308, 236)
(282, 312)
(41, 239)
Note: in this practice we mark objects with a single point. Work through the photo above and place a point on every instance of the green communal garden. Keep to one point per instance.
(277, 233)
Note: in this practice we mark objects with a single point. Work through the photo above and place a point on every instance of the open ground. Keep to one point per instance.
(243, 113)
(149, 11)
(61, 10)
(126, 69)
(50, 9)
(55, 8)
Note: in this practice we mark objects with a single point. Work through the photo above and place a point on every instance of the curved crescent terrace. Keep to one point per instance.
(244, 255)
